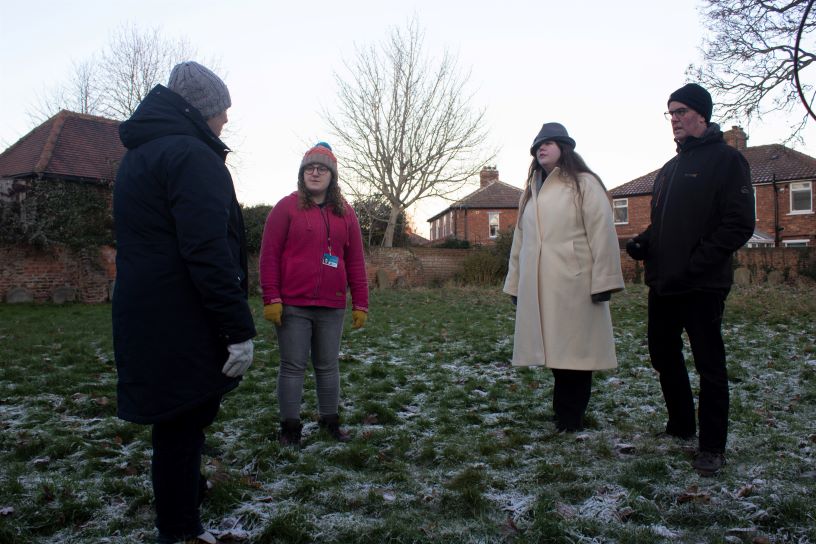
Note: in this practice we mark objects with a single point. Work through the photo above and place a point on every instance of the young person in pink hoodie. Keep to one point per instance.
(311, 255)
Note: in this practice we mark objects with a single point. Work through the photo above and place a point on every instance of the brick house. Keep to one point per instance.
(481, 215)
(69, 150)
(783, 181)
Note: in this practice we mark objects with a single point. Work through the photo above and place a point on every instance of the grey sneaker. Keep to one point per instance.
(708, 463)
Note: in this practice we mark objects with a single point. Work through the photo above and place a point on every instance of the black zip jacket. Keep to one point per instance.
(702, 212)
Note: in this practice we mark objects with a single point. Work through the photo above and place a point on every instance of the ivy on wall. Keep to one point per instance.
(47, 212)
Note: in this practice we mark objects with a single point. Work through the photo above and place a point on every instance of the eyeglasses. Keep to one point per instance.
(679, 113)
(315, 167)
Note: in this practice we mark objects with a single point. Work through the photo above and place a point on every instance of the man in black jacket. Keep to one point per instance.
(182, 328)
(702, 211)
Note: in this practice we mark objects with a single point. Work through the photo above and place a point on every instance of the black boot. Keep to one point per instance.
(332, 425)
(290, 432)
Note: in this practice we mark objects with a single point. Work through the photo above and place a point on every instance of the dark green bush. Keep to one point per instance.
(488, 265)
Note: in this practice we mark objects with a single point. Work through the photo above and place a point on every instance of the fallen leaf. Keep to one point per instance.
(370, 419)
(745, 491)
(693, 495)
(625, 513)
(625, 448)
(566, 511)
(6, 511)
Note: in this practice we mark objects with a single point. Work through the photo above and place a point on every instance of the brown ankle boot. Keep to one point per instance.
(290, 432)
(332, 425)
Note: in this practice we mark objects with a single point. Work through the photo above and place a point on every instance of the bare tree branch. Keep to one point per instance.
(748, 57)
(406, 124)
(113, 83)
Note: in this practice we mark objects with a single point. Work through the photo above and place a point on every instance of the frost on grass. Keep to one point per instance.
(461, 448)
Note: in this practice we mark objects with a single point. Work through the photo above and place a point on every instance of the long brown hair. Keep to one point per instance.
(570, 163)
(334, 198)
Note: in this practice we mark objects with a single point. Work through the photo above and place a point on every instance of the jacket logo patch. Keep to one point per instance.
(745, 190)
(339, 294)
(691, 174)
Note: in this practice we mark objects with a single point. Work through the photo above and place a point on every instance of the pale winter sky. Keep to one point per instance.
(603, 69)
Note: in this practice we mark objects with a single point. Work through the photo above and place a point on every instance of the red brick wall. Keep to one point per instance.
(795, 226)
(91, 274)
(639, 216)
(473, 225)
(791, 262)
(412, 267)
(41, 272)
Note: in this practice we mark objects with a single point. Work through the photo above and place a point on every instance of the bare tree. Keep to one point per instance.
(748, 57)
(133, 63)
(78, 94)
(406, 124)
(115, 82)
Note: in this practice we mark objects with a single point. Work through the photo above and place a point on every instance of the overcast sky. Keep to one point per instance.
(603, 69)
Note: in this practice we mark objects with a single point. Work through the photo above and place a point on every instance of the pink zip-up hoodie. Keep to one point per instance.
(292, 256)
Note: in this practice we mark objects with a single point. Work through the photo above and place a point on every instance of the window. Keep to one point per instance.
(620, 211)
(795, 243)
(801, 197)
(493, 222)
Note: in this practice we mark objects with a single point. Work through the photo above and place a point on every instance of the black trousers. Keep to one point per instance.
(570, 397)
(176, 471)
(700, 314)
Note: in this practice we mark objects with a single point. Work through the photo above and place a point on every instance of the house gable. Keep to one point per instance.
(479, 216)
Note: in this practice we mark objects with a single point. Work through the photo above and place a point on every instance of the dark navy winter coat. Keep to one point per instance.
(181, 270)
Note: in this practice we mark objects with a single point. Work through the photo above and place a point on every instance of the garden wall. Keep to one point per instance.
(61, 275)
(29, 274)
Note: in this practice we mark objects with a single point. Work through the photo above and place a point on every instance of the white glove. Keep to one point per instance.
(240, 357)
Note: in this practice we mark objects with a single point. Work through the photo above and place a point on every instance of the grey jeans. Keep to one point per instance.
(305, 331)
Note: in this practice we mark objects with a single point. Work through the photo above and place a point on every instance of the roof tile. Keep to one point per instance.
(768, 162)
(66, 145)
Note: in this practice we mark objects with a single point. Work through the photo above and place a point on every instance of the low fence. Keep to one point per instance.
(60, 275)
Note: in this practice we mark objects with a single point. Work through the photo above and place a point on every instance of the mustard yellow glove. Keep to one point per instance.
(358, 318)
(273, 312)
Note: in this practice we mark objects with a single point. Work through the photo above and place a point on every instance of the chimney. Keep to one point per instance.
(488, 175)
(736, 137)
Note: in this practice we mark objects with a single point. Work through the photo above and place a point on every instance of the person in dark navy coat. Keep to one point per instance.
(182, 326)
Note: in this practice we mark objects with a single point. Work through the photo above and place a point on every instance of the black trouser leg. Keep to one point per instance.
(176, 471)
(570, 397)
(665, 329)
(704, 329)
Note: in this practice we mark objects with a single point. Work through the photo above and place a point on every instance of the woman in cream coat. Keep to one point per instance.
(564, 265)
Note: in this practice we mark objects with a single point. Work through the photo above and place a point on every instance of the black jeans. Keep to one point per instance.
(570, 397)
(700, 314)
(177, 445)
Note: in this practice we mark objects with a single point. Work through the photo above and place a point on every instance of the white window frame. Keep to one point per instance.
(795, 243)
(490, 217)
(800, 186)
(615, 203)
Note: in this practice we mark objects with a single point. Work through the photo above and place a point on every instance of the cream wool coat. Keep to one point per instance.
(560, 256)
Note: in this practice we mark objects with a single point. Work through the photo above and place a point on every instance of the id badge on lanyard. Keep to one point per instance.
(328, 259)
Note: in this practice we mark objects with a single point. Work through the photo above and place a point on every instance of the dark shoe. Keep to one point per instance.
(204, 538)
(708, 463)
(564, 427)
(290, 432)
(331, 424)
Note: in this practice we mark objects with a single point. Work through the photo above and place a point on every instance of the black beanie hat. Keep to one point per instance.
(696, 98)
(555, 132)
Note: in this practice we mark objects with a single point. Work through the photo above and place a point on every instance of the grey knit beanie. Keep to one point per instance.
(200, 87)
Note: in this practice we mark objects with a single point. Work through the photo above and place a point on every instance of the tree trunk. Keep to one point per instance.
(388, 238)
